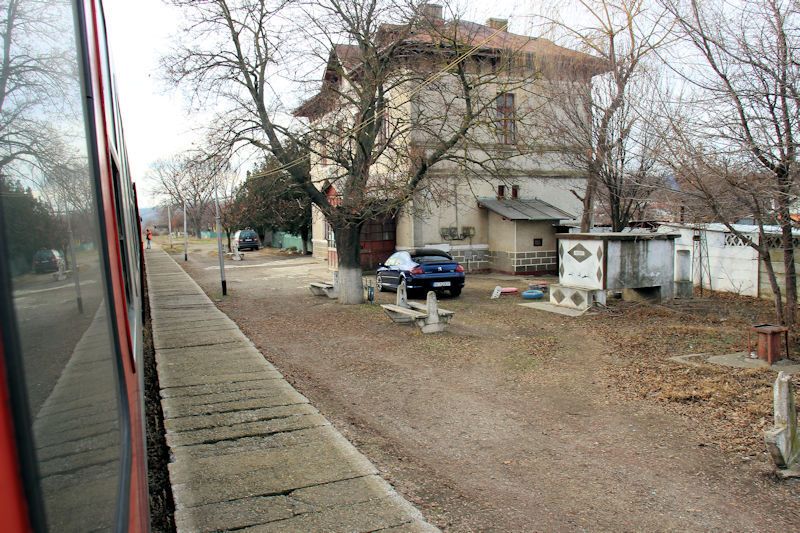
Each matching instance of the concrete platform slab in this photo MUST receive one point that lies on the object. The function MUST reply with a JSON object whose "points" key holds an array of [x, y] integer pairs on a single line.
{"points": [[737, 360], [213, 388], [187, 423]]}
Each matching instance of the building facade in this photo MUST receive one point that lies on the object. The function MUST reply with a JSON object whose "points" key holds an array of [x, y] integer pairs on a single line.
{"points": [[500, 214]]}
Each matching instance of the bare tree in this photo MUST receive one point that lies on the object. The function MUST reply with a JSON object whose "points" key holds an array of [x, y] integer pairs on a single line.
{"points": [[738, 126], [605, 120], [182, 181], [371, 148], [31, 80]]}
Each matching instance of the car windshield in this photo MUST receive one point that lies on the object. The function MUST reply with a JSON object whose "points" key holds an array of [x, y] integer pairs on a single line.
{"points": [[43, 254], [248, 234], [429, 258]]}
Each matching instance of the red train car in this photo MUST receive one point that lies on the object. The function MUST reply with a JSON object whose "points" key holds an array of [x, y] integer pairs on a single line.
{"points": [[72, 444]]}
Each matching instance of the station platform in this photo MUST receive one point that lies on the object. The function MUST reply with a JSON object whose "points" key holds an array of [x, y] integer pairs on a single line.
{"points": [[249, 452]]}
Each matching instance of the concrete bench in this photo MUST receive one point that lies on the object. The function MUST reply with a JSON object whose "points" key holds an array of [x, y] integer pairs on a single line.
{"points": [[402, 314], [443, 313], [429, 318], [322, 288], [61, 275]]}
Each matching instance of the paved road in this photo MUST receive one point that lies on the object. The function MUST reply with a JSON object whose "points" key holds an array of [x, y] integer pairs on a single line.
{"points": [[249, 451], [51, 326]]}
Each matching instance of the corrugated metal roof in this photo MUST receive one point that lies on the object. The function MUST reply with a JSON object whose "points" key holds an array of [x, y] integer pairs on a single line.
{"points": [[533, 209]]}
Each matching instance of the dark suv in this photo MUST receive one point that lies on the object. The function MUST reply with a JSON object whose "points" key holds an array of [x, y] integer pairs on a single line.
{"points": [[47, 261], [246, 239]]}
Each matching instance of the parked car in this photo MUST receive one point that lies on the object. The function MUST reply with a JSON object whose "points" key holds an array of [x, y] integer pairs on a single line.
{"points": [[48, 261], [246, 239], [424, 269]]}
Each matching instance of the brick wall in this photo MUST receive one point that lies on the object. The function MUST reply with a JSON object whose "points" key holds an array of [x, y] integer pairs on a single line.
{"points": [[523, 262], [472, 260]]}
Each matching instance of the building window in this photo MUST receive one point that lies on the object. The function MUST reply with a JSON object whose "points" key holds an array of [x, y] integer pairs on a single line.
{"points": [[501, 192], [506, 127], [515, 192], [537, 242]]}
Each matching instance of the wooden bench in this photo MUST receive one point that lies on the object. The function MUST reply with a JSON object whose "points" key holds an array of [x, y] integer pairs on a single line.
{"points": [[322, 288]]}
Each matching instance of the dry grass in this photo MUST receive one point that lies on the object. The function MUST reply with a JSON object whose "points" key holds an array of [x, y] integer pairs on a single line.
{"points": [[731, 406]]}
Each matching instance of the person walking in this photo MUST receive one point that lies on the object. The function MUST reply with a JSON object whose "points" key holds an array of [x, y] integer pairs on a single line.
{"points": [[149, 234]]}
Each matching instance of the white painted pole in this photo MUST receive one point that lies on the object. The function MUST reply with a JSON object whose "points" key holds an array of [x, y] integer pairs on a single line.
{"points": [[76, 276], [185, 235], [219, 241], [169, 226]]}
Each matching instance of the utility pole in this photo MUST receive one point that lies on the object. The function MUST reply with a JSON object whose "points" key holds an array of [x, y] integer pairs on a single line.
{"points": [[74, 263], [219, 240], [185, 235], [169, 225]]}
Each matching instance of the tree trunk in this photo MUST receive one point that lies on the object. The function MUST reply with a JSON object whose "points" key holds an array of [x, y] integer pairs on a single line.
{"points": [[304, 238], [790, 277], [587, 218], [228, 234], [348, 252], [773, 283]]}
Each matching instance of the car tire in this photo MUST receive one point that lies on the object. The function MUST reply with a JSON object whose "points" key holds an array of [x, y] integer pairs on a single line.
{"points": [[379, 283], [455, 293]]}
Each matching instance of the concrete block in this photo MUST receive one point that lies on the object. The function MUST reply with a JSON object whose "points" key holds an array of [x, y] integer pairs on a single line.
{"points": [[576, 297], [783, 440]]}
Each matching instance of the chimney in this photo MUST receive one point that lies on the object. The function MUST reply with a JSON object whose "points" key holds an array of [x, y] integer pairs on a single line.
{"points": [[432, 12], [497, 24]]}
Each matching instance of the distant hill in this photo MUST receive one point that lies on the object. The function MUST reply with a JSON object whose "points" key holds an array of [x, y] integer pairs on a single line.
{"points": [[149, 215]]}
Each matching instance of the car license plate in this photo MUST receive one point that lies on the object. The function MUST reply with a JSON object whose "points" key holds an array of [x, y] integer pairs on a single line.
{"points": [[441, 283]]}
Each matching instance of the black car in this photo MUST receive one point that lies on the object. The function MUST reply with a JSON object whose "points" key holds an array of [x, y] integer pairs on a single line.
{"points": [[47, 261], [246, 239], [425, 269]]}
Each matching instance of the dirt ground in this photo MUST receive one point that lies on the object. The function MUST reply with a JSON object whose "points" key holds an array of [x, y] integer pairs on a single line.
{"points": [[521, 420]]}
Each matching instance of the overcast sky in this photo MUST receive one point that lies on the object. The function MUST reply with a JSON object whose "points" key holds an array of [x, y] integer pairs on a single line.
{"points": [[156, 122], [154, 116]]}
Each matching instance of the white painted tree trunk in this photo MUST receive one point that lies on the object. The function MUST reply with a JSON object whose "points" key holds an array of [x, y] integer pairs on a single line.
{"points": [[351, 290], [348, 251]]}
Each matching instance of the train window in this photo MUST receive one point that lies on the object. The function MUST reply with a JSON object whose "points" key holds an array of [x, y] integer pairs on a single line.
{"points": [[121, 227], [54, 294]]}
